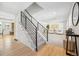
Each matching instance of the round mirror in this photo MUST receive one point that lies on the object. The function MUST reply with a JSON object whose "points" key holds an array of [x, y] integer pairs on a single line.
{"points": [[75, 14]]}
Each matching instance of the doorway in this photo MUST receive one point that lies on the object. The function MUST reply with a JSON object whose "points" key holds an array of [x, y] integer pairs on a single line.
{"points": [[6, 35]]}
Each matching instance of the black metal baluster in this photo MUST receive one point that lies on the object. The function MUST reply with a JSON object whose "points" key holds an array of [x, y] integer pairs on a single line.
{"points": [[21, 16], [25, 22], [36, 39]]}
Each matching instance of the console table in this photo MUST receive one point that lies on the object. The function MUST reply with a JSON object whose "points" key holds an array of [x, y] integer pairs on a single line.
{"points": [[75, 36]]}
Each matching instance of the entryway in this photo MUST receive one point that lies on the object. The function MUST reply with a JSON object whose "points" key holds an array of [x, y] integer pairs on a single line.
{"points": [[6, 35]]}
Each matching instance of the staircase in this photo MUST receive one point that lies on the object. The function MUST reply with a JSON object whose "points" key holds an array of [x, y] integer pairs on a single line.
{"points": [[37, 32]]}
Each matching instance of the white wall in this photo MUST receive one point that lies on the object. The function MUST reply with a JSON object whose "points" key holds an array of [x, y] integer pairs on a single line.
{"points": [[56, 39], [22, 35], [75, 28]]}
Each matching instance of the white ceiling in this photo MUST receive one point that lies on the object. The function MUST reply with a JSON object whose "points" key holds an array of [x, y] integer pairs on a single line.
{"points": [[34, 8], [52, 11], [13, 7]]}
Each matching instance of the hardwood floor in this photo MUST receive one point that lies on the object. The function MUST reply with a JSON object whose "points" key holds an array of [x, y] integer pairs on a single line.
{"points": [[10, 47], [50, 50]]}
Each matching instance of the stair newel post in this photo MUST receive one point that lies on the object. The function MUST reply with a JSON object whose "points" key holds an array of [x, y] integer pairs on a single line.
{"points": [[36, 41], [47, 34], [47, 31], [37, 28]]}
